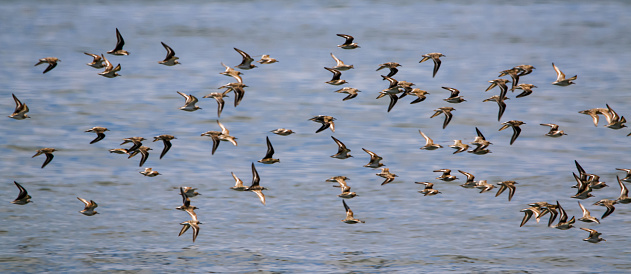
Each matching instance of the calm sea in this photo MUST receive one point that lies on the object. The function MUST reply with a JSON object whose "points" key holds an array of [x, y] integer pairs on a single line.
{"points": [[299, 230]]}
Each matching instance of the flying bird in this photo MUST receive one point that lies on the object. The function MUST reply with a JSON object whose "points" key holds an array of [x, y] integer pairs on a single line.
{"points": [[110, 71], [350, 219], [48, 152], [510, 185], [268, 159], [88, 210], [326, 121], [51, 61], [348, 44], [23, 197], [120, 42], [444, 110], [189, 103], [100, 133], [170, 59], [342, 151], [435, 56], [166, 140], [97, 61], [255, 187], [514, 124], [561, 81], [20, 109], [246, 62]]}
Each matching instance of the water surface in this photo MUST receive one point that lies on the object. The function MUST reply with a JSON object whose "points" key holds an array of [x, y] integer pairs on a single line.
{"points": [[299, 229]]}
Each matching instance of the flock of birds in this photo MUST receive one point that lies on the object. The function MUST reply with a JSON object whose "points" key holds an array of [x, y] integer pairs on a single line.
{"points": [[586, 182]]}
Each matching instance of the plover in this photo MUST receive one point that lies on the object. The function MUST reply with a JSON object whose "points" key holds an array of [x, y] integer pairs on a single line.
{"points": [[283, 131], [339, 65], [374, 159], [627, 177], [88, 210], [594, 236], [238, 183], [342, 151], [223, 135], [265, 59], [170, 59], [238, 89], [20, 109], [514, 124], [48, 152], [255, 187], [51, 61], [218, 96], [120, 42], [335, 80], [446, 176], [348, 44], [386, 174], [510, 185], [528, 212], [144, 154], [527, 89], [326, 121], [470, 183], [110, 71], [268, 159], [232, 73], [429, 189], [609, 205], [390, 65], [350, 219], [119, 151], [448, 115], [429, 143], [435, 56], [524, 69], [614, 121], [554, 130], [624, 193], [563, 223], [352, 92], [587, 217], [459, 146], [166, 140], [100, 133], [561, 81], [454, 97], [246, 62], [23, 197], [500, 103], [420, 94], [190, 191], [137, 142], [149, 172], [193, 223], [190, 101], [97, 61], [484, 186]]}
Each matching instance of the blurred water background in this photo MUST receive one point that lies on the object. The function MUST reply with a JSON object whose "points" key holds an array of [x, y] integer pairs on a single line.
{"points": [[299, 230]]}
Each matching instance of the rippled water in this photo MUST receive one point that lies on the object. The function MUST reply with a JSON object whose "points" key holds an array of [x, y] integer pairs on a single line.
{"points": [[299, 229]]}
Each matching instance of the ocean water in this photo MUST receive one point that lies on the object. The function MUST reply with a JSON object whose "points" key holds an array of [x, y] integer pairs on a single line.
{"points": [[299, 230]]}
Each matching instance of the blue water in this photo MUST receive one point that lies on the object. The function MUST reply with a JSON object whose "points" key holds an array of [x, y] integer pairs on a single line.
{"points": [[299, 230]]}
